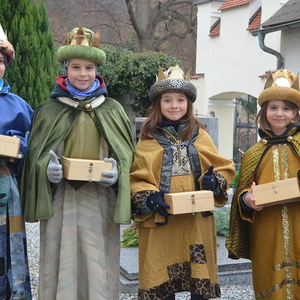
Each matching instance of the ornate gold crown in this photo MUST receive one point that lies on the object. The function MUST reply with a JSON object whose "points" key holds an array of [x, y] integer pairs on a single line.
{"points": [[172, 72], [82, 43], [79, 37], [282, 85], [173, 80], [284, 78]]}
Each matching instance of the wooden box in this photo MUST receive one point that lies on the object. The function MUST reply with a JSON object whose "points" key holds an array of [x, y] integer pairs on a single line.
{"points": [[84, 169], [189, 202], [9, 146], [279, 192]]}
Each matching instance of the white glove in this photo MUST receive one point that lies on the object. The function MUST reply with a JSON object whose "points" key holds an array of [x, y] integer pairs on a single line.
{"points": [[54, 168], [112, 176]]}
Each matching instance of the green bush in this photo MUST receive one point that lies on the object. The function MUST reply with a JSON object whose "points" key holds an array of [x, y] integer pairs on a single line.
{"points": [[126, 72], [32, 74], [130, 237], [222, 217], [236, 179]]}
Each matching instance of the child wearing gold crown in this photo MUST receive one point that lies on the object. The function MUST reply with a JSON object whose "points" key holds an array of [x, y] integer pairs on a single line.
{"points": [[79, 220], [175, 154], [15, 119], [269, 236]]}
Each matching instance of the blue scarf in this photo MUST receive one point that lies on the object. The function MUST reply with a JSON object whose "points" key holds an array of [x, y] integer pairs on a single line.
{"points": [[82, 95], [4, 89]]}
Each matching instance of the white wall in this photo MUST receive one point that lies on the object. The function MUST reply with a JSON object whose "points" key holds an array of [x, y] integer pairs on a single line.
{"points": [[232, 63], [290, 45]]}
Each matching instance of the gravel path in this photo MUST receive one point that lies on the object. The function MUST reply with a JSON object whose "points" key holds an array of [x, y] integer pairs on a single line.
{"points": [[229, 292]]}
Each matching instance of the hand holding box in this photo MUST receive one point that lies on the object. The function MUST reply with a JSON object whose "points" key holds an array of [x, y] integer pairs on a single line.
{"points": [[278, 192], [189, 202], [84, 169]]}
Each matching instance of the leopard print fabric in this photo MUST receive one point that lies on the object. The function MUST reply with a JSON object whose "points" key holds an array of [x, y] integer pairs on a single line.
{"points": [[197, 254], [137, 199], [180, 280], [222, 183]]}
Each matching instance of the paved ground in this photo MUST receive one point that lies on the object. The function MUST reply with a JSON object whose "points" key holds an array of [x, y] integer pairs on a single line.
{"points": [[236, 284]]}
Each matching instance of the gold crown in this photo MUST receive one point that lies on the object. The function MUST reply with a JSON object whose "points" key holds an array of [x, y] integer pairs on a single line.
{"points": [[282, 85], [283, 78], [80, 37], [172, 73], [82, 43], [172, 80]]}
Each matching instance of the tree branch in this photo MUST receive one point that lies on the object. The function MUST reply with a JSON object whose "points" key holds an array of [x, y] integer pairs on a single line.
{"points": [[139, 32]]}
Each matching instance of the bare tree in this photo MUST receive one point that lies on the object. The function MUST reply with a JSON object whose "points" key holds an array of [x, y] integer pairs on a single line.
{"points": [[166, 25], [160, 22]]}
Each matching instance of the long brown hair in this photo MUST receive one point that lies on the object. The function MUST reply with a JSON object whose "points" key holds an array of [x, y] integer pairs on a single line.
{"points": [[261, 118], [155, 117]]}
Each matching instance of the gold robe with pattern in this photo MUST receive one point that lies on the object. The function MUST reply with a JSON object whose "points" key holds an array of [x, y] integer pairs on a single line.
{"points": [[181, 255], [269, 238]]}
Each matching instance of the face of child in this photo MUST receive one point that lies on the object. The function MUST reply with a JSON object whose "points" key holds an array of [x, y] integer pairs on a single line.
{"points": [[82, 74], [279, 115], [173, 105], [2, 66]]}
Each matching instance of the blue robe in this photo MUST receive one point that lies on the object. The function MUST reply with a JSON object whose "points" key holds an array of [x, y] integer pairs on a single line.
{"points": [[15, 119]]}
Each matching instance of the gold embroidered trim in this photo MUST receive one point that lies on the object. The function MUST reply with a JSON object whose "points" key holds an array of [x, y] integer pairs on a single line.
{"points": [[277, 287], [287, 264], [287, 251], [286, 228], [98, 101], [95, 103], [68, 101], [285, 161], [284, 264], [276, 166]]}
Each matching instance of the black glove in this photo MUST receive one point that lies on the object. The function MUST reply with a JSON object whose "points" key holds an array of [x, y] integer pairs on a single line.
{"points": [[157, 204], [209, 181]]}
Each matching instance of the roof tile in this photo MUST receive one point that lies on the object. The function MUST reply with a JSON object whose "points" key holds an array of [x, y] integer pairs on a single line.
{"points": [[233, 3], [215, 28], [289, 12], [255, 21]]}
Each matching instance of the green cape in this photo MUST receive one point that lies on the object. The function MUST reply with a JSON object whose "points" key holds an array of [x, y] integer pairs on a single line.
{"points": [[51, 123]]}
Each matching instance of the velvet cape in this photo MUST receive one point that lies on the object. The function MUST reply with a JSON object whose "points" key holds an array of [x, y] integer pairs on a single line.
{"points": [[52, 122]]}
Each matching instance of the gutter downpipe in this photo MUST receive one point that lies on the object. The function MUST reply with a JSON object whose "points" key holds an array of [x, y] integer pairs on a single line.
{"points": [[261, 40]]}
